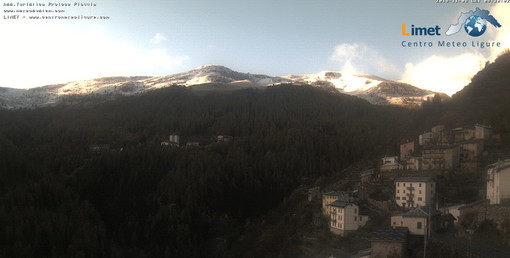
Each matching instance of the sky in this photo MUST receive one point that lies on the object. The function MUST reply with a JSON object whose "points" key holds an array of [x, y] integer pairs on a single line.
{"points": [[276, 37]]}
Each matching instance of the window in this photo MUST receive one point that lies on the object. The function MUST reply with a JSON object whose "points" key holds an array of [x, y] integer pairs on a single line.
{"points": [[419, 185], [404, 184], [418, 225], [419, 192], [355, 211], [398, 191], [403, 198], [398, 197], [398, 184], [355, 218], [420, 199], [394, 223]]}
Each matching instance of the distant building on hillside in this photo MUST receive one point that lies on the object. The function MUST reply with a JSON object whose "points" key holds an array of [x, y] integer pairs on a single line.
{"points": [[390, 164], [471, 149], [498, 182], [440, 157], [414, 191], [414, 163], [482, 132], [425, 138], [329, 197], [368, 176], [174, 140], [345, 217], [406, 150], [224, 138], [463, 134]]}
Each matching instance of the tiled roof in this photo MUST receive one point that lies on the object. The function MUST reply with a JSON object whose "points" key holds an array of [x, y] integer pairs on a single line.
{"points": [[414, 179], [336, 193], [340, 204], [422, 212], [397, 234]]}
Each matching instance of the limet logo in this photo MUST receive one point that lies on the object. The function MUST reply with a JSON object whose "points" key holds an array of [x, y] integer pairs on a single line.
{"points": [[473, 22], [421, 31]]}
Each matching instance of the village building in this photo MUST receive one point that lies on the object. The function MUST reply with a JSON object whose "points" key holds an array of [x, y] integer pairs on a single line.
{"points": [[420, 221], [439, 135], [389, 242], [482, 132], [463, 134], [498, 182], [390, 164], [345, 217], [414, 163], [414, 191], [224, 138], [406, 150], [425, 138], [368, 176], [173, 140], [330, 197], [440, 157]]}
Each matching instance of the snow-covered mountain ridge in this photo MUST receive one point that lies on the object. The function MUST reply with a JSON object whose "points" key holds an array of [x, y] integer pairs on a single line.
{"points": [[372, 88]]}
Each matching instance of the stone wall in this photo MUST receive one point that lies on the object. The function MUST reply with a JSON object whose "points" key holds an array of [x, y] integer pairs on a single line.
{"points": [[497, 213]]}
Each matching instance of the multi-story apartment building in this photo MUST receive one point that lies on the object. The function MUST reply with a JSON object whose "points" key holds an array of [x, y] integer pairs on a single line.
{"points": [[414, 191]]}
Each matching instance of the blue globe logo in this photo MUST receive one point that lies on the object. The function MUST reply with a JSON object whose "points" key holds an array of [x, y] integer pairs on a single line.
{"points": [[475, 26]]}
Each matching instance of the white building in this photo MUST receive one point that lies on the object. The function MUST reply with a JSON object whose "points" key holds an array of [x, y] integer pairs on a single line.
{"points": [[390, 163], [345, 217], [419, 221], [330, 197], [414, 191], [498, 182], [174, 140]]}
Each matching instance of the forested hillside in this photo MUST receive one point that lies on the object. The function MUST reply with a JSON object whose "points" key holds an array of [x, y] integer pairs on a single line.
{"points": [[142, 199]]}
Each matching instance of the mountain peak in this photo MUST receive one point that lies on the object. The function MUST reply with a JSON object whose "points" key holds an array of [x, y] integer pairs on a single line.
{"points": [[372, 88], [213, 67]]}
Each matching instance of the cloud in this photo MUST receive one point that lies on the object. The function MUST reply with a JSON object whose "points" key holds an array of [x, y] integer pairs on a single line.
{"points": [[500, 12], [40, 54], [451, 74], [158, 38], [444, 74], [359, 58]]}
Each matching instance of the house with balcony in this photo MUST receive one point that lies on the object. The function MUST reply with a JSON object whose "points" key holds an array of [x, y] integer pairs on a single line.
{"points": [[412, 192], [329, 197], [345, 217]]}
